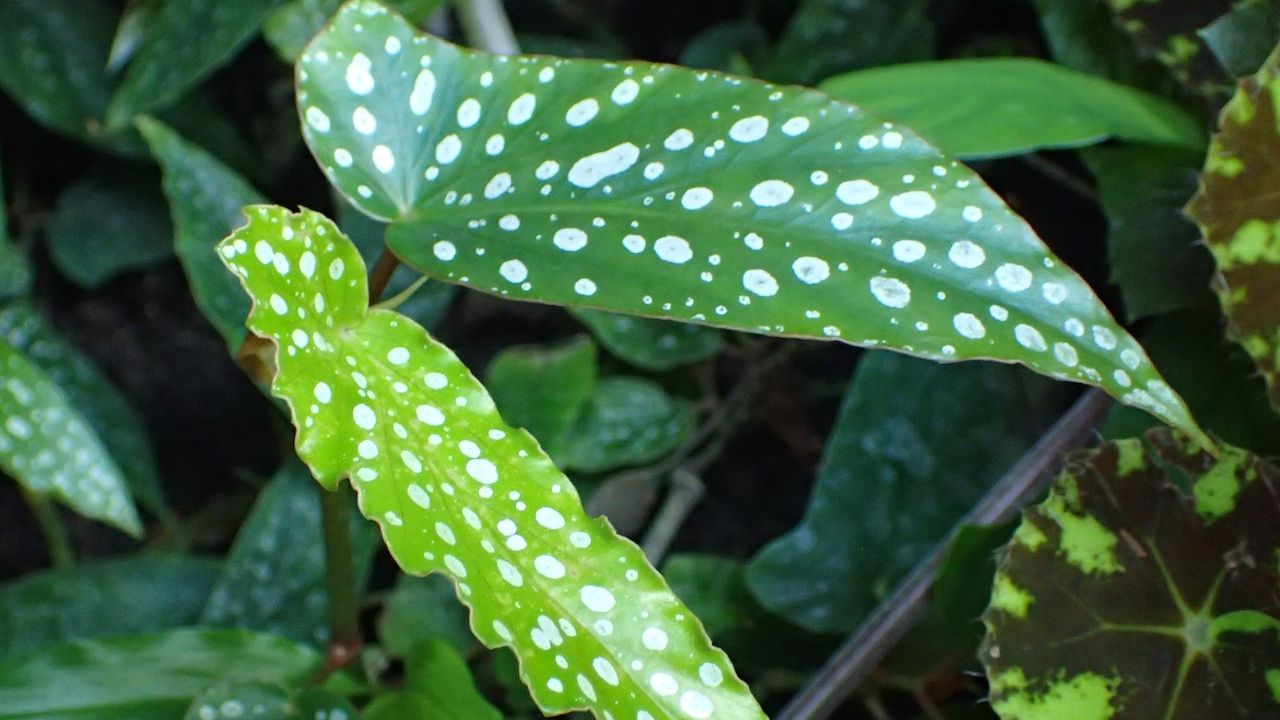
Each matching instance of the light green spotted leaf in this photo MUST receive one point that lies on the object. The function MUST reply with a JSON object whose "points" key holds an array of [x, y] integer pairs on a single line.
{"points": [[48, 446], [205, 198], [458, 491], [693, 196], [1144, 587], [232, 700]]}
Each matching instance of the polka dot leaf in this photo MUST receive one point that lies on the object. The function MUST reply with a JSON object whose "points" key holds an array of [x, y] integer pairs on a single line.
{"points": [[1237, 211], [52, 450], [659, 191], [457, 491], [1144, 586]]}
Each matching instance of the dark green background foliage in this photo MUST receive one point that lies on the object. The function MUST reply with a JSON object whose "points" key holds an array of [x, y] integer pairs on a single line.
{"points": [[787, 489]]}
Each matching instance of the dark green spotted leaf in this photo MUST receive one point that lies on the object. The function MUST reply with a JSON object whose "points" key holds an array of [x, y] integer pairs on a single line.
{"points": [[53, 56], [992, 107], [15, 268], [291, 25], [1144, 587], [47, 445], [1168, 31], [851, 35], [654, 190], [236, 700], [1240, 218], [543, 389], [915, 446], [103, 597], [142, 677], [108, 223], [438, 685], [184, 42], [117, 424], [1242, 39], [649, 343], [423, 608], [205, 199], [274, 575], [458, 491], [626, 421], [1152, 247], [320, 704]]}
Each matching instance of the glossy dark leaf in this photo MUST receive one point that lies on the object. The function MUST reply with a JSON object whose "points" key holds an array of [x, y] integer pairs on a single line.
{"points": [[104, 597], [1238, 214], [993, 107], [962, 588], [438, 685], [544, 389], [650, 343], [274, 576], [1144, 587], [765, 209], [185, 40], [1167, 30], [109, 223], [142, 677], [116, 423], [15, 268], [421, 609], [727, 47], [1242, 39], [291, 25], [205, 201], [914, 447], [850, 35], [626, 421], [1082, 35]]}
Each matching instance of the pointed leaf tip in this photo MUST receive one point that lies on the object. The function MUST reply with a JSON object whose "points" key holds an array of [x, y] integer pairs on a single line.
{"points": [[457, 491]]}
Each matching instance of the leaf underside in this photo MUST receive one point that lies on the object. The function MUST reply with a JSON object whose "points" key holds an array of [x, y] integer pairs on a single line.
{"points": [[1238, 214], [1123, 596], [455, 490], [655, 190]]}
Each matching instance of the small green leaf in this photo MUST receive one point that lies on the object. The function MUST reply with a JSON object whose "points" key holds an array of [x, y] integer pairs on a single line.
{"points": [[544, 389], [962, 588], [458, 491], [108, 223], [53, 56], [103, 597], [142, 677], [915, 446], [654, 190], [438, 685], [185, 41], [1240, 219], [205, 199], [1242, 39], [850, 35], [993, 107], [117, 424], [274, 576], [233, 700], [48, 446], [626, 421], [1123, 597], [1152, 247], [289, 27], [423, 608], [649, 343]]}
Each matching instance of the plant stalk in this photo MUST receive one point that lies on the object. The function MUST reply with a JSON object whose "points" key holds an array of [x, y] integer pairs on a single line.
{"points": [[863, 651], [340, 579], [487, 27], [56, 537]]}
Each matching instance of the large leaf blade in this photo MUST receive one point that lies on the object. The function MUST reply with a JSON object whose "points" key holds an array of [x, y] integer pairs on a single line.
{"points": [[657, 191], [458, 491]]}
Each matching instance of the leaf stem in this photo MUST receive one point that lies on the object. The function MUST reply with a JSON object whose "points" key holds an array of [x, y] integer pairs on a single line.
{"points": [[340, 580], [381, 274], [686, 491], [845, 671], [54, 530], [486, 26]]}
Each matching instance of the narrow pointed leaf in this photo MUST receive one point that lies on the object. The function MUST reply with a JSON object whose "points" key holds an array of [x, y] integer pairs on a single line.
{"points": [[991, 107], [1237, 211], [205, 198], [48, 446], [184, 42], [1144, 587], [456, 490], [273, 578], [653, 190], [142, 677], [117, 424], [650, 343]]}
